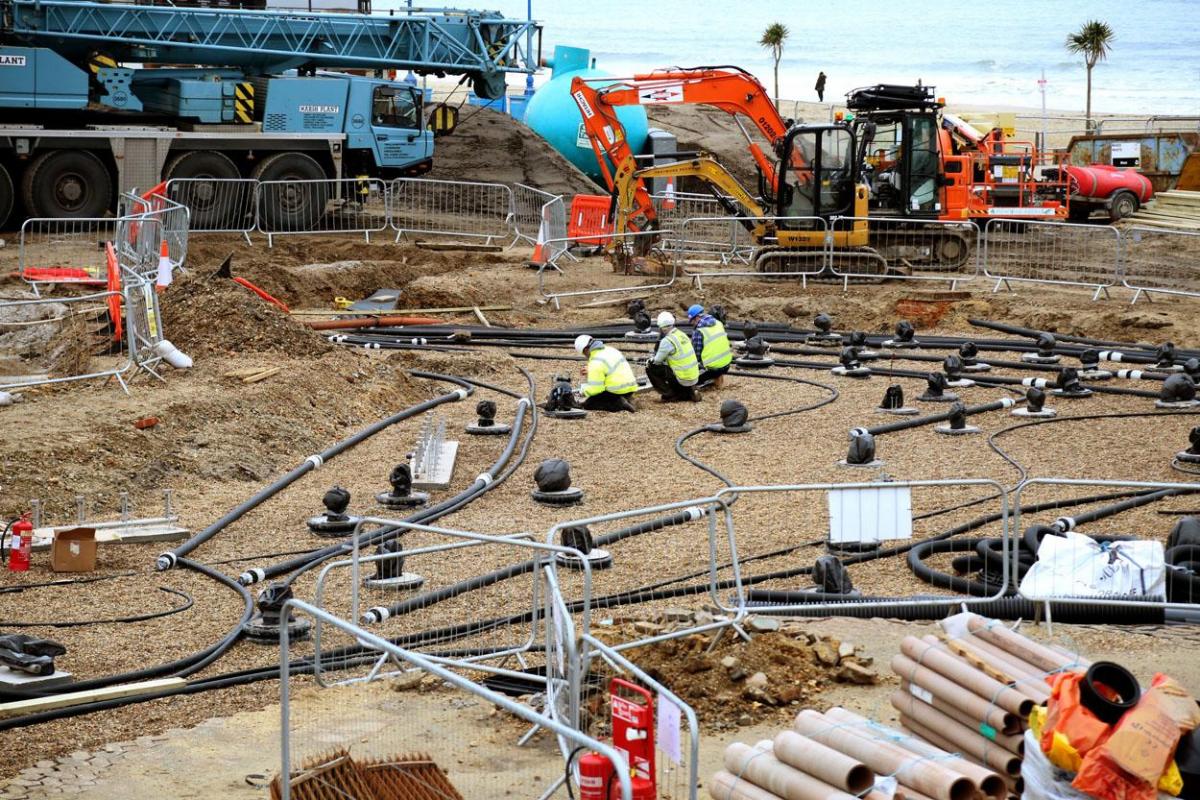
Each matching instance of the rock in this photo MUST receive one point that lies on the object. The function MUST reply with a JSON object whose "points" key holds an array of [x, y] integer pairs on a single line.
{"points": [[697, 664], [758, 680], [790, 694], [745, 719], [729, 662], [764, 624], [855, 673], [648, 628], [826, 654], [407, 681], [677, 615], [736, 674], [845, 649]]}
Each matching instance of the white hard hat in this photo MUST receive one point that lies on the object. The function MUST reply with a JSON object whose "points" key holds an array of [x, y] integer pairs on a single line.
{"points": [[581, 342], [665, 319]]}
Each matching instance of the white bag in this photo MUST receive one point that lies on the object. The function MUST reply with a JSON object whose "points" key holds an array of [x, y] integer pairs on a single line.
{"points": [[1078, 566], [1043, 780]]}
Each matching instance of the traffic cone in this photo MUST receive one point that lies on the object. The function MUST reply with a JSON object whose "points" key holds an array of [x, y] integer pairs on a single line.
{"points": [[539, 247], [165, 268], [669, 194]]}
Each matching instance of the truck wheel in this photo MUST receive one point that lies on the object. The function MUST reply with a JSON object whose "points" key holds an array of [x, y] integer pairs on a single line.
{"points": [[67, 183], [7, 196], [1124, 204], [211, 204], [297, 202]]}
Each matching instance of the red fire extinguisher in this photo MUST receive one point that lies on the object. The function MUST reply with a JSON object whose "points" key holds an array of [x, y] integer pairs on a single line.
{"points": [[19, 546], [595, 774], [633, 737]]}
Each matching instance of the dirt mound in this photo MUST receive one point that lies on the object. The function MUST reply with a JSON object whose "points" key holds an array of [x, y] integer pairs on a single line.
{"points": [[493, 147], [741, 683], [202, 313], [711, 131]]}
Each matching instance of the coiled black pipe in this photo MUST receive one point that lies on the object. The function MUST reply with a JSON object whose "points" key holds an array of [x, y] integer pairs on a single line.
{"points": [[168, 560]]}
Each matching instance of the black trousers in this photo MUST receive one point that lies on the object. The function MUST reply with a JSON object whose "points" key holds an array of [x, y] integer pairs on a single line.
{"points": [[663, 379], [710, 375], [607, 401]]}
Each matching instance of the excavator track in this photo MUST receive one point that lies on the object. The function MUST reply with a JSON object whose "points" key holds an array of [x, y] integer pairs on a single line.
{"points": [[777, 259], [931, 249]]}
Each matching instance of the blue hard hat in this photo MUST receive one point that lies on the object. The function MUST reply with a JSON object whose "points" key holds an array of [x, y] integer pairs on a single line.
{"points": [[695, 311]]}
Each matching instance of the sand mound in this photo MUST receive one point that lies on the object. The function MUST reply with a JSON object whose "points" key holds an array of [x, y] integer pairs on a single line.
{"points": [[493, 147], [202, 313]]}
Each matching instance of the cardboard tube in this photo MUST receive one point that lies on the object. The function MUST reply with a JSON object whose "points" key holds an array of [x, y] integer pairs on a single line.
{"points": [[950, 692], [996, 669], [990, 783], [1013, 743], [1026, 677], [1020, 646], [938, 741], [764, 770], [824, 763], [725, 786], [965, 740], [967, 676], [924, 776]]}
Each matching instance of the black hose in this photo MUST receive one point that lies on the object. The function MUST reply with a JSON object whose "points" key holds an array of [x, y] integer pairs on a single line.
{"points": [[187, 603]]}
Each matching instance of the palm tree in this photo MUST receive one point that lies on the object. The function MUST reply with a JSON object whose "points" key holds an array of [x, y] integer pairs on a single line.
{"points": [[1092, 41], [772, 39]]}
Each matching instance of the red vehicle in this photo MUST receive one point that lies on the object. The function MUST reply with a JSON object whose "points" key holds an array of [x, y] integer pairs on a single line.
{"points": [[1118, 192]]}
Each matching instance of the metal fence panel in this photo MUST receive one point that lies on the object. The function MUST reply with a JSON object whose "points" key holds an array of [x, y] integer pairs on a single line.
{"points": [[64, 250], [389, 724], [784, 263], [328, 206], [1162, 261], [217, 205], [1051, 252], [528, 205], [713, 232], [623, 246], [458, 209], [916, 250]]}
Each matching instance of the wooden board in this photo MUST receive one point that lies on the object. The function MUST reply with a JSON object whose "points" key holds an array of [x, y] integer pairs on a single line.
{"points": [[42, 537], [470, 248], [21, 707]]}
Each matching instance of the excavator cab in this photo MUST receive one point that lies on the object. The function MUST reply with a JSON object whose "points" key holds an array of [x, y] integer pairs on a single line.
{"points": [[903, 164], [817, 174]]}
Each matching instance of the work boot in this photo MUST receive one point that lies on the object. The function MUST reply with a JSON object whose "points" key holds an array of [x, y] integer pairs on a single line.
{"points": [[627, 404], [695, 396], [718, 382]]}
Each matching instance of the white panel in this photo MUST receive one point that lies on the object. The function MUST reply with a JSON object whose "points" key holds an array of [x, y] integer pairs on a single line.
{"points": [[870, 515]]}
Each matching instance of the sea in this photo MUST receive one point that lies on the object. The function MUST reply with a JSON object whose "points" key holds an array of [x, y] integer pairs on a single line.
{"points": [[989, 53]]}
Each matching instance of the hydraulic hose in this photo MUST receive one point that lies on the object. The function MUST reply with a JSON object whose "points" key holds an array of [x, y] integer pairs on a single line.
{"points": [[168, 560]]}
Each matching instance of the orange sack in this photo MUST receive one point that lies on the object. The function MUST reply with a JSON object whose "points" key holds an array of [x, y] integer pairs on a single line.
{"points": [[1067, 715]]}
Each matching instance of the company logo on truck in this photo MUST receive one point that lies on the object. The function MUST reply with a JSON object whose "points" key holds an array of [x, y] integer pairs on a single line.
{"points": [[12, 61], [319, 109]]}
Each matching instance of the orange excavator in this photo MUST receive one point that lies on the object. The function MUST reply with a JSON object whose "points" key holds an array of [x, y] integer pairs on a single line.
{"points": [[809, 177]]}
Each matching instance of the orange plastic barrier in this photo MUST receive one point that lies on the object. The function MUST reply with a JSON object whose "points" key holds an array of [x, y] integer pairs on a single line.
{"points": [[589, 222], [114, 285], [61, 275]]}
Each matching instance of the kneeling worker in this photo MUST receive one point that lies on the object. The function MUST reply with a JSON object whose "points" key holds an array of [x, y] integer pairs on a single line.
{"points": [[673, 369], [712, 343], [610, 383]]}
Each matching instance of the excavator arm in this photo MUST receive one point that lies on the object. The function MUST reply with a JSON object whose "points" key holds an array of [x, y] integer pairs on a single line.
{"points": [[729, 89], [706, 169]]}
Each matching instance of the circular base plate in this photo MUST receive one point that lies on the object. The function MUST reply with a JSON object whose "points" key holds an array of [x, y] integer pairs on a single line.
{"points": [[946, 429], [322, 525], [258, 631], [978, 366], [570, 413], [902, 411], [1043, 414], [961, 383], [635, 336], [1071, 395], [1034, 358], [948, 397], [897, 343], [565, 497], [487, 430], [718, 428], [407, 580], [876, 463], [1186, 462], [823, 340], [1176, 404], [389, 500], [750, 362], [597, 558], [856, 372]]}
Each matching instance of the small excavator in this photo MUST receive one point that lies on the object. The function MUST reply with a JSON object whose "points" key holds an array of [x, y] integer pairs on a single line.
{"points": [[897, 157]]}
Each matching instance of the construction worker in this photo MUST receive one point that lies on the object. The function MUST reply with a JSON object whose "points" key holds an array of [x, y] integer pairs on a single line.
{"points": [[712, 343], [673, 369], [610, 384]]}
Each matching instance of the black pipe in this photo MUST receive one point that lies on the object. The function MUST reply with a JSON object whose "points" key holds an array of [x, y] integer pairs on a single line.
{"points": [[916, 422], [167, 560]]}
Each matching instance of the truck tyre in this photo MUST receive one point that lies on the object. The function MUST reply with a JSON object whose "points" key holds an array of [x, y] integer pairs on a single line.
{"points": [[7, 196], [211, 205], [67, 184], [297, 203], [1124, 204]]}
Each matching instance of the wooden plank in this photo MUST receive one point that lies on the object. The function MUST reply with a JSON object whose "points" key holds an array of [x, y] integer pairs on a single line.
{"points": [[263, 375], [399, 311], [21, 707], [468, 247]]}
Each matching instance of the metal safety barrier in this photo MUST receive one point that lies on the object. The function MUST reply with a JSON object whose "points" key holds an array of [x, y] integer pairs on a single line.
{"points": [[625, 245], [217, 205], [720, 236], [789, 263], [64, 250], [1020, 251], [1157, 261], [912, 250], [310, 730], [147, 222], [326, 206], [457, 209], [528, 205]]}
